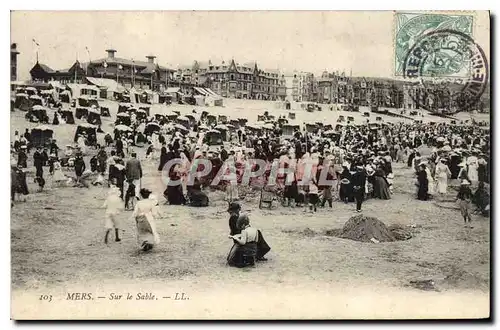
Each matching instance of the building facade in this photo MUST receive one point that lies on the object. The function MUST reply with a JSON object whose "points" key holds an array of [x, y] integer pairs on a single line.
{"points": [[301, 86], [234, 80], [13, 61], [129, 73]]}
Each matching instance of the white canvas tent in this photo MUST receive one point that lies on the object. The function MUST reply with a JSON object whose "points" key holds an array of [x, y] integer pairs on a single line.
{"points": [[135, 95], [78, 90], [107, 86]]}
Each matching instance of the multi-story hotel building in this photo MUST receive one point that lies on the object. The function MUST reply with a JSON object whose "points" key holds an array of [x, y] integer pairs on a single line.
{"points": [[234, 80], [127, 72]]}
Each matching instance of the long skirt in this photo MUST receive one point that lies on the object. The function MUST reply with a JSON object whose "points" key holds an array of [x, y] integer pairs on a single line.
{"points": [[345, 192], [442, 184], [145, 235], [381, 188], [242, 255], [262, 246]]}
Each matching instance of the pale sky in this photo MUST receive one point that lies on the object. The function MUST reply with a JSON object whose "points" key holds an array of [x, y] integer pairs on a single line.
{"points": [[307, 41]]}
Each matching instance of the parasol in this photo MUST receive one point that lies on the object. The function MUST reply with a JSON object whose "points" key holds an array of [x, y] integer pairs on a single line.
{"points": [[123, 128]]}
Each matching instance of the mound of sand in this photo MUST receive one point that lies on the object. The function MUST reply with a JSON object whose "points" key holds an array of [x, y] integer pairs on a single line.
{"points": [[364, 229]]}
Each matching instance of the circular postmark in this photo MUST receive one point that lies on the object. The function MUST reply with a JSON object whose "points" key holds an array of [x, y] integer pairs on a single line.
{"points": [[452, 69]]}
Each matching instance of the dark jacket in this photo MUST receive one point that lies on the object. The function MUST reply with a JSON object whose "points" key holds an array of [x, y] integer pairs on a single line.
{"points": [[358, 179], [79, 166], [133, 169], [37, 159]]}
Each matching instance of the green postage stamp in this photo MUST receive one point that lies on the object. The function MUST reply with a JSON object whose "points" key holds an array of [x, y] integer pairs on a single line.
{"points": [[411, 27]]}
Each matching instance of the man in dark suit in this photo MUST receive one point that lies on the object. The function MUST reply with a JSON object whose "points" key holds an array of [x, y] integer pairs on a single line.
{"points": [[358, 183], [133, 171], [38, 162]]}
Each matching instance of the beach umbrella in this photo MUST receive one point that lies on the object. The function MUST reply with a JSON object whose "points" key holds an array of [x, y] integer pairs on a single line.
{"points": [[123, 128], [179, 126], [153, 124], [43, 128], [268, 126]]}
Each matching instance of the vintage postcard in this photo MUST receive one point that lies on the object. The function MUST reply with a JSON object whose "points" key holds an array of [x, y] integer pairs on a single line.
{"points": [[250, 165]]}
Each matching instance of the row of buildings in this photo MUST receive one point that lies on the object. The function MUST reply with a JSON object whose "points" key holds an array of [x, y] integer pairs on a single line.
{"points": [[247, 81]]}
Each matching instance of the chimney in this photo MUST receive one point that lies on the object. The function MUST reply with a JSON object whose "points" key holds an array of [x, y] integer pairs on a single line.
{"points": [[151, 58], [111, 53]]}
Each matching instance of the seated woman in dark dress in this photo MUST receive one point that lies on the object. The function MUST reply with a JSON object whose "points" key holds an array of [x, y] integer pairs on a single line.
{"points": [[174, 193], [249, 246], [481, 199]]}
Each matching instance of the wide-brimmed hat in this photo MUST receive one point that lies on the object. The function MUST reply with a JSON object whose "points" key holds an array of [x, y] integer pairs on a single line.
{"points": [[465, 182]]}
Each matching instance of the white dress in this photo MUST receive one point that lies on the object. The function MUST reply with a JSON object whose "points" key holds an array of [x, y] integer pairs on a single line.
{"points": [[431, 184], [81, 145], [144, 212], [472, 162], [442, 174], [58, 175]]}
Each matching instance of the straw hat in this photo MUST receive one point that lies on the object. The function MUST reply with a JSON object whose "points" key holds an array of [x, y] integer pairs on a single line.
{"points": [[465, 182]]}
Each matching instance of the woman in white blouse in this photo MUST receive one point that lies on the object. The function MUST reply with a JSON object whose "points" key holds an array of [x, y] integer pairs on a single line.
{"points": [[145, 212], [244, 251]]}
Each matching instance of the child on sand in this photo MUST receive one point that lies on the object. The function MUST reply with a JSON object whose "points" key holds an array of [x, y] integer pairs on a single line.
{"points": [[464, 199], [113, 205]]}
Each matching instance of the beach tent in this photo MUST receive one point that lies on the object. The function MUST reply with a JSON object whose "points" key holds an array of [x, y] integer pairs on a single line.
{"points": [[78, 90], [41, 136], [109, 88]]}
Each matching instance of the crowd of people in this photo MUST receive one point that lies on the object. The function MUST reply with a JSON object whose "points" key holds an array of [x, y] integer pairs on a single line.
{"points": [[351, 164]]}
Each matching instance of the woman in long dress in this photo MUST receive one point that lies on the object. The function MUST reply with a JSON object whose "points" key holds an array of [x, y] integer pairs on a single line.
{"points": [[423, 183], [442, 175], [144, 214], [380, 184], [57, 176], [473, 165], [81, 144]]}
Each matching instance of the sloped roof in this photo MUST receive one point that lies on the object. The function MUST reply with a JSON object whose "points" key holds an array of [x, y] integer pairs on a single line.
{"points": [[45, 68], [109, 84], [124, 61]]}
